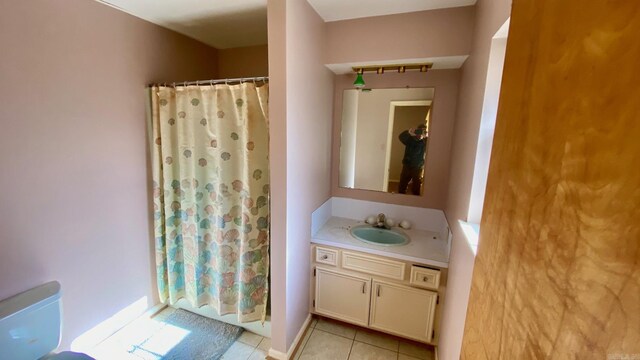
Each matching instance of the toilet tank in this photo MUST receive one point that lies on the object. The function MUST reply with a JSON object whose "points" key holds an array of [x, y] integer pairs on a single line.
{"points": [[30, 323]]}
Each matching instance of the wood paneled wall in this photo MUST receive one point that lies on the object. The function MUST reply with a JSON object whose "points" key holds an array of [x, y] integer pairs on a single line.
{"points": [[557, 275]]}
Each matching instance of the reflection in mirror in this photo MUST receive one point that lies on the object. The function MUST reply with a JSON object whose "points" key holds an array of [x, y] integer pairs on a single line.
{"points": [[384, 139]]}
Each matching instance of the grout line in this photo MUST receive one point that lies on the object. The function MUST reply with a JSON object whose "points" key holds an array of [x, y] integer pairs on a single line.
{"points": [[342, 336], [351, 348], [304, 346], [379, 347]]}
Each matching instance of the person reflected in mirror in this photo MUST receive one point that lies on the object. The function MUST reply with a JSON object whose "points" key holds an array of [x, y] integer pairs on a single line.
{"points": [[415, 142]]}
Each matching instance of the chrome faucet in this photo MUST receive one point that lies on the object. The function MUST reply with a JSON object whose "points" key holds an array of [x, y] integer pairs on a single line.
{"points": [[381, 222]]}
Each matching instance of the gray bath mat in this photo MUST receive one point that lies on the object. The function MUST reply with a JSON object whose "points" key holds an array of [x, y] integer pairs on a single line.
{"points": [[191, 337]]}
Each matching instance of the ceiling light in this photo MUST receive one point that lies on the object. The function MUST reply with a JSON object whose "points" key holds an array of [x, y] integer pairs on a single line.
{"points": [[359, 83]]}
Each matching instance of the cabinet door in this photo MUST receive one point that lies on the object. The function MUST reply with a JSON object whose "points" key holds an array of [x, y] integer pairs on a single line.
{"points": [[344, 297], [403, 310]]}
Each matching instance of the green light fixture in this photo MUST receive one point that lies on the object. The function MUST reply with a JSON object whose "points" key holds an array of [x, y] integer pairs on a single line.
{"points": [[359, 83], [380, 69]]}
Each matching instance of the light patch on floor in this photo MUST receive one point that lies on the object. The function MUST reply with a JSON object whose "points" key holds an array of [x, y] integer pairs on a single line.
{"points": [[151, 338]]}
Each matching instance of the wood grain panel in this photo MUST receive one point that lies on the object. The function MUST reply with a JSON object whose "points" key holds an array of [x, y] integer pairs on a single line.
{"points": [[557, 275]]}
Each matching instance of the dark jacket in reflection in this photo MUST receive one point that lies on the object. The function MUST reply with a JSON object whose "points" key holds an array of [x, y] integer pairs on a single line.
{"points": [[414, 150]]}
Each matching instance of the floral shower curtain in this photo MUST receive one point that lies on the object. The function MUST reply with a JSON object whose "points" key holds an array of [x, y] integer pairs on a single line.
{"points": [[211, 196]]}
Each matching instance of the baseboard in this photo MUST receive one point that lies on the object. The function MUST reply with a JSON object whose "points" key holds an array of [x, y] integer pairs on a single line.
{"points": [[435, 352], [279, 355], [276, 355]]}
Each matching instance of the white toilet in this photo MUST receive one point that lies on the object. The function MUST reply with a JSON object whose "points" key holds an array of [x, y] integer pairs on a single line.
{"points": [[30, 325]]}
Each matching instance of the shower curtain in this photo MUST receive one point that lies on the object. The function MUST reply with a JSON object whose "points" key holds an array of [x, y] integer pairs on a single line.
{"points": [[211, 196]]}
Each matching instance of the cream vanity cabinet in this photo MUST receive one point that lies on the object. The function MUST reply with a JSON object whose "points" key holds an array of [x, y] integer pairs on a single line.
{"points": [[343, 296], [376, 292], [403, 310]]}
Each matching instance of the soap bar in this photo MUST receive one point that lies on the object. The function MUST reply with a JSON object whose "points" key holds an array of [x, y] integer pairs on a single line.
{"points": [[405, 224]]}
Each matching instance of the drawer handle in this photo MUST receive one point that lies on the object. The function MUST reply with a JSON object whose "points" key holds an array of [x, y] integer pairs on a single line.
{"points": [[324, 257], [364, 288], [425, 279], [378, 290]]}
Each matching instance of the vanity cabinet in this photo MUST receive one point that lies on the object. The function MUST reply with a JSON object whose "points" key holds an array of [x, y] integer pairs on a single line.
{"points": [[403, 310], [343, 296], [375, 292]]}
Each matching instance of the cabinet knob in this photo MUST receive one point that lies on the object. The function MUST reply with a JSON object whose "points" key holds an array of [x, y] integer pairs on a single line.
{"points": [[425, 279], [325, 257]]}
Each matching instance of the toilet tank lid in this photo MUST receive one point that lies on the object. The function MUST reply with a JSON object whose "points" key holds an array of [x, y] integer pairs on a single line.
{"points": [[37, 297]]}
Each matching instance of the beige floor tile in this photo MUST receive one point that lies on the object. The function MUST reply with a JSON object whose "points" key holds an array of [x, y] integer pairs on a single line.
{"points": [[362, 351], [415, 349], [250, 338], [323, 346], [303, 342], [336, 328], [258, 354], [265, 344], [378, 339], [238, 351], [406, 357]]}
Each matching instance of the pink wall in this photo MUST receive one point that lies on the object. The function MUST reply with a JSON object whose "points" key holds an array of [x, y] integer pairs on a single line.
{"points": [[433, 33], [243, 61], [74, 205], [490, 15], [276, 15], [300, 113], [445, 83]]}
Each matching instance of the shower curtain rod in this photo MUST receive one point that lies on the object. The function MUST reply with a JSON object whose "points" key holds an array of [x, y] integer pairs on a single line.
{"points": [[215, 81]]}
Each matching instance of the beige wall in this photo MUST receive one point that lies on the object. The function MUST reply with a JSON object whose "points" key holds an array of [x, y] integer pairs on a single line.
{"points": [[74, 205], [490, 15], [445, 83], [300, 116], [433, 33], [243, 62]]}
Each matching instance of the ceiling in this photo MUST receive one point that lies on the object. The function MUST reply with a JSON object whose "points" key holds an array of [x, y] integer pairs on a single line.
{"points": [[219, 23], [235, 23], [332, 10]]}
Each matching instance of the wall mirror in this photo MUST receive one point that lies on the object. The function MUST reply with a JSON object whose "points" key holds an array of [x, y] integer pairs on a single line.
{"points": [[385, 139]]}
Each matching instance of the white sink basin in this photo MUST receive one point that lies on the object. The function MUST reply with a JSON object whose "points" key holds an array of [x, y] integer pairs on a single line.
{"points": [[376, 236]]}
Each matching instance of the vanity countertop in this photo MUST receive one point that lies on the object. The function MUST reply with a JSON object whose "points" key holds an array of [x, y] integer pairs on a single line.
{"points": [[425, 247]]}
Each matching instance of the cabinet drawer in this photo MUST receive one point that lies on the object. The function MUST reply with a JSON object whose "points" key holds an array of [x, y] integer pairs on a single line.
{"points": [[425, 278], [326, 256], [373, 265]]}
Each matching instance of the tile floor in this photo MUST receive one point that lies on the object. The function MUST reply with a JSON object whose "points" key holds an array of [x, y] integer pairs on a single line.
{"points": [[332, 340], [125, 344], [249, 346], [325, 339]]}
